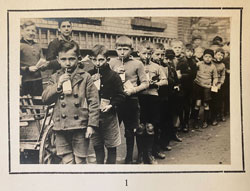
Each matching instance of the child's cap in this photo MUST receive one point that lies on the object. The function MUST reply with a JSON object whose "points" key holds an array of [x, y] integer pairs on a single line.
{"points": [[209, 51], [189, 47], [217, 39], [221, 50], [124, 41], [169, 53]]}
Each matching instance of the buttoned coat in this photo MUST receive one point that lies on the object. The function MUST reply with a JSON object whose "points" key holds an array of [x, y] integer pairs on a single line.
{"points": [[77, 110]]}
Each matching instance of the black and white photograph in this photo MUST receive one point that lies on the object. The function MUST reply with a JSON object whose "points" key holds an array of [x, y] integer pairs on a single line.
{"points": [[126, 97], [125, 90]]}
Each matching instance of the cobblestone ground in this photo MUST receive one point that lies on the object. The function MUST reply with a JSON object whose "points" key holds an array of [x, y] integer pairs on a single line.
{"points": [[202, 146]]}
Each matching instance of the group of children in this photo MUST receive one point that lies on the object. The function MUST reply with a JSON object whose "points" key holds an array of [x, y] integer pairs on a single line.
{"points": [[153, 96]]}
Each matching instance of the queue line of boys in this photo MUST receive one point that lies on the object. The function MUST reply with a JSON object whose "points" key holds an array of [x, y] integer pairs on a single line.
{"points": [[148, 95]]}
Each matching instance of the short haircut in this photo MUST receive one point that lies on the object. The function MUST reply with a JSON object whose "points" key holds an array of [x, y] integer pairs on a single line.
{"points": [[27, 23], [221, 50], [189, 47], [176, 42], [158, 46], [195, 37], [145, 44], [124, 41], [199, 48], [65, 20], [99, 49], [66, 46]]}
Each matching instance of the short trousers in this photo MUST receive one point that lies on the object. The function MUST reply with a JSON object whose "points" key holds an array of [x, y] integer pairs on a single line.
{"points": [[72, 141], [201, 93], [108, 132]]}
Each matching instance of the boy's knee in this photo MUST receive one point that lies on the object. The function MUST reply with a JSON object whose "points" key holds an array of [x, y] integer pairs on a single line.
{"points": [[68, 159], [198, 104], [206, 106], [150, 129]]}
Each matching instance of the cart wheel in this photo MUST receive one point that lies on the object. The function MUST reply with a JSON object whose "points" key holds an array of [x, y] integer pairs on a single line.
{"points": [[47, 152]]}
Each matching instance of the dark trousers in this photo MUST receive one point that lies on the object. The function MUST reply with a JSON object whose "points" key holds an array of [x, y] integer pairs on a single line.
{"points": [[128, 113], [217, 103], [150, 113], [186, 105]]}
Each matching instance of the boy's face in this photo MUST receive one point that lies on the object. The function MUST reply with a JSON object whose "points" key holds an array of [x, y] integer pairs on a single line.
{"points": [[145, 55], [189, 53], [197, 42], [167, 60], [29, 32], [219, 56], [177, 48], [158, 56], [68, 60], [198, 52], [123, 51], [66, 28], [207, 58], [99, 60]]}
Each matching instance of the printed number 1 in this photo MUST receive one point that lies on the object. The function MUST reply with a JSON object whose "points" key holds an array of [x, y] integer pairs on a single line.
{"points": [[126, 182]]}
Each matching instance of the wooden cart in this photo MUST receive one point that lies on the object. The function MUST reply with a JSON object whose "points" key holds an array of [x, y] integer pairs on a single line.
{"points": [[36, 132]]}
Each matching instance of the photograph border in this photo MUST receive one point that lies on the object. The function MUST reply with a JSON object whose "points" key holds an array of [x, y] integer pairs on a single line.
{"points": [[139, 8]]}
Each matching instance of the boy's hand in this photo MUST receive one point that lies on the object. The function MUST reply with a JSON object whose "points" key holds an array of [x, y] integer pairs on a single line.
{"points": [[33, 68], [42, 63], [95, 77], [106, 108], [63, 78], [89, 132], [129, 92]]}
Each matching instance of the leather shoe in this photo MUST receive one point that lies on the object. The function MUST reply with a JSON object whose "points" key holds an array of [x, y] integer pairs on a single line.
{"points": [[151, 160], [176, 138], [168, 148], [140, 158], [159, 155], [204, 125], [185, 129], [214, 123], [127, 161]]}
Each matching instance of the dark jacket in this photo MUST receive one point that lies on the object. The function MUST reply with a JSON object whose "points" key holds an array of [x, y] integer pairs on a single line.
{"points": [[77, 110], [111, 85], [30, 53]]}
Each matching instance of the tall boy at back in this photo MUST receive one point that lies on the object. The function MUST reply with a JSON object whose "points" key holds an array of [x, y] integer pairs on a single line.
{"points": [[133, 75], [76, 112]]}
